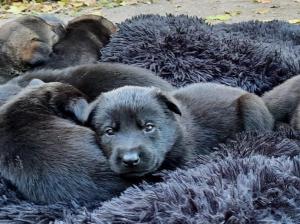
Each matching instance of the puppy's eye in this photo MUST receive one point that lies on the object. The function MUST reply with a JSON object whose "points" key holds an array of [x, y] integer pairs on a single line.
{"points": [[149, 127], [109, 131]]}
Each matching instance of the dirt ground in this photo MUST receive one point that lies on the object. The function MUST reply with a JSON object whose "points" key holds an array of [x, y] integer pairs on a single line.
{"points": [[238, 10], [249, 10]]}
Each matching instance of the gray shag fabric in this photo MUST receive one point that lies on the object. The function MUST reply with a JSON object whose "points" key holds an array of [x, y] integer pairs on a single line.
{"points": [[254, 178], [253, 55]]}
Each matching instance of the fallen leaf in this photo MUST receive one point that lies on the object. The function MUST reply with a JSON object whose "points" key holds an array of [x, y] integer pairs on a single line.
{"points": [[263, 1], [90, 2], [62, 3], [17, 8], [96, 13], [294, 21], [108, 4], [275, 6], [262, 11], [3, 16], [233, 13], [77, 4], [47, 8], [130, 2], [221, 17]]}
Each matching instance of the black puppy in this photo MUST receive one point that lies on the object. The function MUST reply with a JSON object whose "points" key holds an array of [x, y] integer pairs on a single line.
{"points": [[27, 124], [94, 79], [142, 129], [45, 154], [84, 37], [31, 42]]}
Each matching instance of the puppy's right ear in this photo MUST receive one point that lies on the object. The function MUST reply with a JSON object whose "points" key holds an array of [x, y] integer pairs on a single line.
{"points": [[168, 101]]}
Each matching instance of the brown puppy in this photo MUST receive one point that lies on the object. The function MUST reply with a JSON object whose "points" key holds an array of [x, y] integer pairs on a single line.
{"points": [[46, 155], [25, 42], [284, 102]]}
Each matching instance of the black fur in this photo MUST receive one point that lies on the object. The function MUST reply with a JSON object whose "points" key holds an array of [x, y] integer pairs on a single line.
{"points": [[142, 129], [269, 193], [85, 35], [46, 155], [95, 79]]}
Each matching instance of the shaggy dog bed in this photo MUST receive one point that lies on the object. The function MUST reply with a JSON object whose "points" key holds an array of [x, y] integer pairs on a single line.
{"points": [[253, 55], [254, 178]]}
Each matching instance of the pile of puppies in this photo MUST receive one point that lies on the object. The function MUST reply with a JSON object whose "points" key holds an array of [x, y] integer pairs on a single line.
{"points": [[87, 132], [31, 42]]}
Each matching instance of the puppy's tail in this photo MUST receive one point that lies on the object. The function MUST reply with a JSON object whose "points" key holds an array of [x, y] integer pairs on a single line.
{"points": [[254, 113]]}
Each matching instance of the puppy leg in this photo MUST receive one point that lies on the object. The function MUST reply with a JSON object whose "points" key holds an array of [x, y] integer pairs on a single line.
{"points": [[254, 113]]}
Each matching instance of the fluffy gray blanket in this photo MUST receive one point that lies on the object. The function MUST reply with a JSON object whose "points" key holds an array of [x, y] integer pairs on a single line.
{"points": [[253, 178], [252, 55]]}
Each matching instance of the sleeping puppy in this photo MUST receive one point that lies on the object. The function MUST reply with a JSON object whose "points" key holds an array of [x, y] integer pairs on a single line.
{"points": [[84, 37], [284, 102], [93, 79], [25, 42], [144, 129], [45, 154]]}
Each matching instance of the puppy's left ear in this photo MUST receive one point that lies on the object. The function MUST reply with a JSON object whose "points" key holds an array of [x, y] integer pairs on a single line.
{"points": [[82, 110], [168, 101], [36, 82], [78, 108]]}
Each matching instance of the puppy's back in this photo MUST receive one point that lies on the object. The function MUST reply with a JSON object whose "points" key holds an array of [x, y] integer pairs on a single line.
{"points": [[221, 111], [94, 79]]}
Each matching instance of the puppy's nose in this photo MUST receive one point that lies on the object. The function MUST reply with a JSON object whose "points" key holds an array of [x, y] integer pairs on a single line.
{"points": [[131, 159]]}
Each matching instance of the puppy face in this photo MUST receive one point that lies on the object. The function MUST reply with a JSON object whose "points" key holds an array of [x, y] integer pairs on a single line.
{"points": [[136, 127]]}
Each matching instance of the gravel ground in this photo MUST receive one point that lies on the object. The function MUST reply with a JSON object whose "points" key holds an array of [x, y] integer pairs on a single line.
{"points": [[277, 9], [249, 9]]}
